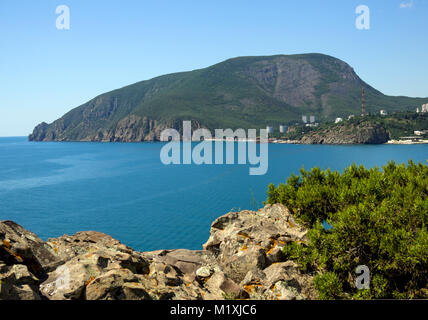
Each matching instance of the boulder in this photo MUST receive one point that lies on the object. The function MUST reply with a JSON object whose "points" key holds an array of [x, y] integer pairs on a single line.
{"points": [[242, 259], [17, 283], [252, 240], [117, 284], [20, 246], [221, 287], [86, 264], [204, 272], [68, 282], [286, 282]]}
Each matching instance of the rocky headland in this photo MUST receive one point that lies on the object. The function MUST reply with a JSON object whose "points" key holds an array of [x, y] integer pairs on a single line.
{"points": [[242, 92], [350, 133], [242, 259]]}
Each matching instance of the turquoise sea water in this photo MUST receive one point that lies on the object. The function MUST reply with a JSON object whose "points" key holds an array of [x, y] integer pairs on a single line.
{"points": [[124, 190]]}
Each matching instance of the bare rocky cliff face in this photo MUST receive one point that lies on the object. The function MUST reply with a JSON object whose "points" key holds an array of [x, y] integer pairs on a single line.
{"points": [[295, 81], [364, 133], [130, 129], [242, 259]]}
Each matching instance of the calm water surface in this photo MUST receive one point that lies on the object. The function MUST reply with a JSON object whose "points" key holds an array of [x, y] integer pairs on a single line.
{"points": [[124, 190]]}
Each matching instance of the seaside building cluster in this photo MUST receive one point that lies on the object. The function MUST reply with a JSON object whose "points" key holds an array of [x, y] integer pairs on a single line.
{"points": [[282, 129], [423, 109], [310, 121]]}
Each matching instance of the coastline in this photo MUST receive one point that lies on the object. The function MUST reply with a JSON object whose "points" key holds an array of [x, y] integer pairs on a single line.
{"points": [[233, 264], [406, 142], [270, 140], [397, 142]]}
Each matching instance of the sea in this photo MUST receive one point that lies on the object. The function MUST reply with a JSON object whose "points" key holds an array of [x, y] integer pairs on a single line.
{"points": [[126, 191]]}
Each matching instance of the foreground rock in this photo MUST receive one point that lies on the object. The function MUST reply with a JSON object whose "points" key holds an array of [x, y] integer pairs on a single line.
{"points": [[248, 248], [241, 260], [24, 261]]}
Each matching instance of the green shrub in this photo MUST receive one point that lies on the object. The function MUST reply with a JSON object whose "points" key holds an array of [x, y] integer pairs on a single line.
{"points": [[328, 286], [379, 218]]}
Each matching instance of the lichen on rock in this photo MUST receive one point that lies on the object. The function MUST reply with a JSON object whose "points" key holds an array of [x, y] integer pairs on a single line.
{"points": [[242, 259]]}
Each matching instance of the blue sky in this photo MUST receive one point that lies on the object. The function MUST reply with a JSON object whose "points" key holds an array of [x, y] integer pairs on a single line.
{"points": [[45, 72]]}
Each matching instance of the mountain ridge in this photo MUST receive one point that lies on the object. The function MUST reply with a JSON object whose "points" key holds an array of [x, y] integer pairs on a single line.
{"points": [[242, 92]]}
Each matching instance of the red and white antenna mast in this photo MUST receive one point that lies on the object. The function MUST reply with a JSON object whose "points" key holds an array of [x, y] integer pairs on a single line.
{"points": [[363, 109]]}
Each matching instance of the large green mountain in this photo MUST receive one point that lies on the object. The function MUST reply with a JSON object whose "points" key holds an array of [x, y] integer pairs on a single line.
{"points": [[244, 92]]}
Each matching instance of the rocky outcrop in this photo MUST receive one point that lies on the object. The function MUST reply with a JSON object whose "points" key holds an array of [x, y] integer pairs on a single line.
{"points": [[136, 129], [24, 262], [350, 133], [132, 128], [242, 259], [248, 248]]}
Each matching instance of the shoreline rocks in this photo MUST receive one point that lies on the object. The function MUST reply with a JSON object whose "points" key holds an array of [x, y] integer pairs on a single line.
{"points": [[242, 259], [132, 128], [362, 133]]}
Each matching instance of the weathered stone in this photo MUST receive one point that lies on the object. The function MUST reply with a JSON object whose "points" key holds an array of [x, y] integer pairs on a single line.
{"points": [[253, 277], [291, 278], [242, 259], [118, 284], [279, 271], [135, 291], [251, 240], [186, 261], [221, 287], [275, 254], [19, 246], [68, 282], [236, 267], [281, 290], [204, 272], [17, 283]]}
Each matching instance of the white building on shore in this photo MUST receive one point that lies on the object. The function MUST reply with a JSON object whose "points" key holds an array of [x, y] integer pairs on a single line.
{"points": [[338, 120], [283, 128], [420, 132], [304, 119]]}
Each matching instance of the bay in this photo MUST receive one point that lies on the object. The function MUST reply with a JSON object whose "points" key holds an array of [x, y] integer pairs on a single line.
{"points": [[124, 190]]}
